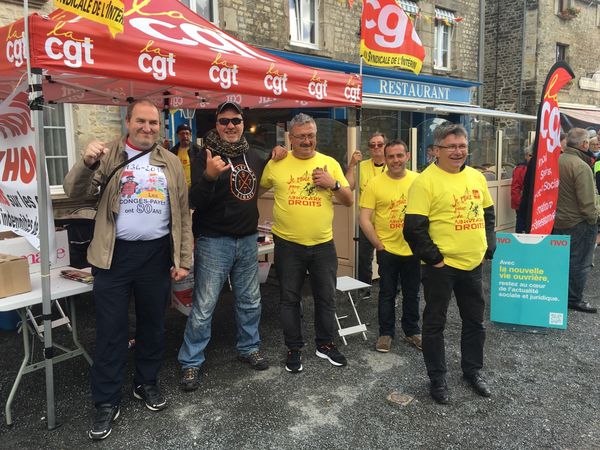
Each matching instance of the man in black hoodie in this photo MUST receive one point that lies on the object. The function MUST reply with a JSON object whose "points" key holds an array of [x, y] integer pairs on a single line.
{"points": [[224, 193]]}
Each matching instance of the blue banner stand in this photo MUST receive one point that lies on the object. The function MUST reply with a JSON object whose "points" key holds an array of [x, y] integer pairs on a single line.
{"points": [[529, 281]]}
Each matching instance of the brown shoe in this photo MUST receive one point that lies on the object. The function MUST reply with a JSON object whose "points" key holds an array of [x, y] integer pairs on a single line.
{"points": [[415, 340], [384, 344]]}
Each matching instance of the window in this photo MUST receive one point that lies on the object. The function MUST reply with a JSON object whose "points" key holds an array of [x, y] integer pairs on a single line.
{"points": [[561, 52], [442, 43], [561, 5], [58, 144], [205, 8], [303, 22]]}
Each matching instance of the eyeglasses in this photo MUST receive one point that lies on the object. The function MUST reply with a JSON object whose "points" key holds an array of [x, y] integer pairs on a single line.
{"points": [[225, 121], [376, 144], [454, 147], [302, 137]]}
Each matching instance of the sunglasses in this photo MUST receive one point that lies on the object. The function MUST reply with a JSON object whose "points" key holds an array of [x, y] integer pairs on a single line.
{"points": [[376, 145], [225, 121]]}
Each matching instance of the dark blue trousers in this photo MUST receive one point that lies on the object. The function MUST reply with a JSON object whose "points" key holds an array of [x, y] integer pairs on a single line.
{"points": [[141, 268]]}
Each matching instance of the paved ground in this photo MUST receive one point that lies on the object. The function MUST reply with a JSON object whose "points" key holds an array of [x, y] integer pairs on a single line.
{"points": [[545, 393]]}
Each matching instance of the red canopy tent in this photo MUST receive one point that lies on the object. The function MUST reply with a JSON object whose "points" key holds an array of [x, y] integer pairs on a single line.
{"points": [[166, 53]]}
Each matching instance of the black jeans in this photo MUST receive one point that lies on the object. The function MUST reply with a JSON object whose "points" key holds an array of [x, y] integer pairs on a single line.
{"points": [[407, 270], [365, 258], [292, 261], [438, 285], [141, 267]]}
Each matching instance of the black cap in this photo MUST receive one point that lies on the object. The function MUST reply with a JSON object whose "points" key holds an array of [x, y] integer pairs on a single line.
{"points": [[229, 105], [184, 127]]}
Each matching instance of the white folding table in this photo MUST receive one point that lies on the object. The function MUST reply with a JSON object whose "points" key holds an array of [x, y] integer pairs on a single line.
{"points": [[347, 285], [60, 288]]}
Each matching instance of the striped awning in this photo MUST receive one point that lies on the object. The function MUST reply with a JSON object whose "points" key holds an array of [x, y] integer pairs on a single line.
{"points": [[408, 6], [444, 14]]}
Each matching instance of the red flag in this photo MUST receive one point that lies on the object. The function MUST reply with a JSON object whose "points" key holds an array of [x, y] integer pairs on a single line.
{"points": [[542, 182], [388, 37]]}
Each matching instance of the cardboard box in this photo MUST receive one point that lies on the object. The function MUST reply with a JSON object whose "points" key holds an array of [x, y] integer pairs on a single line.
{"points": [[12, 244], [14, 275]]}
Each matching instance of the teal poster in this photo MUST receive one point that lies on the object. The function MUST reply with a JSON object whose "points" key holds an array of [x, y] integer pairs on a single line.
{"points": [[530, 277]]}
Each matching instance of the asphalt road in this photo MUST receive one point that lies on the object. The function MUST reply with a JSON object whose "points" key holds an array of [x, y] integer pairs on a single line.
{"points": [[546, 392]]}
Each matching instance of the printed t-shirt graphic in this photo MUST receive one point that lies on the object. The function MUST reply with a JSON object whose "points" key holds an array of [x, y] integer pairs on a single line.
{"points": [[243, 181], [144, 209], [454, 204], [388, 199], [368, 171], [302, 212]]}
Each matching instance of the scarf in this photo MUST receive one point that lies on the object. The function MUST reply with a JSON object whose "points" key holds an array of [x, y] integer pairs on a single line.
{"points": [[213, 141]]}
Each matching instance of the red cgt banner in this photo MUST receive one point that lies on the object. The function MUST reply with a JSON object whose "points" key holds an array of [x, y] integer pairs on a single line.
{"points": [[388, 37], [544, 170], [165, 53]]}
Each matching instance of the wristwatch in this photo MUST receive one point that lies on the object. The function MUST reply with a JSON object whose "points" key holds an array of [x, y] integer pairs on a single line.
{"points": [[337, 186]]}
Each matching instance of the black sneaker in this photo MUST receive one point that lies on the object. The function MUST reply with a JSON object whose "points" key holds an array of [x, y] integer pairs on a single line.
{"points": [[190, 379], [105, 415], [256, 360], [294, 361], [330, 352], [151, 395]]}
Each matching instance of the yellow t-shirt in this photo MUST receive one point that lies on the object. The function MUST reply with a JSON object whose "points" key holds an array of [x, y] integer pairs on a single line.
{"points": [[388, 198], [184, 157], [453, 203], [302, 213], [368, 171]]}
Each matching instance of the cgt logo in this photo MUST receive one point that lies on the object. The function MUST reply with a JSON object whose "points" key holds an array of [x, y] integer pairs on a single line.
{"points": [[275, 82], [153, 61], [317, 88], [73, 52], [222, 73], [15, 52]]}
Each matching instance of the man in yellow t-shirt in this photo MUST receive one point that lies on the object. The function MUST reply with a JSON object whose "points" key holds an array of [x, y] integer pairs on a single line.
{"points": [[305, 184], [449, 225], [382, 208], [367, 169], [185, 150]]}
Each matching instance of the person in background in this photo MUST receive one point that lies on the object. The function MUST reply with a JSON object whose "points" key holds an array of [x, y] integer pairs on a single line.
{"points": [[305, 184], [449, 225], [516, 190], [186, 151], [368, 169], [382, 208], [576, 214], [138, 246]]}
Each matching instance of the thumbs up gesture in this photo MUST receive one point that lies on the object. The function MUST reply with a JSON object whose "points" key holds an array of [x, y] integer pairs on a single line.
{"points": [[215, 166], [322, 178]]}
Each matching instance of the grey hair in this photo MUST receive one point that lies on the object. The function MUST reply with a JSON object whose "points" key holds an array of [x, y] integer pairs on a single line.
{"points": [[576, 137], [444, 131], [379, 133], [301, 119], [141, 101]]}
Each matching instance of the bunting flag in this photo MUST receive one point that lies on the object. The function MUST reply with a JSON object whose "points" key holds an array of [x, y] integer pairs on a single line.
{"points": [[388, 38], [106, 12], [540, 192]]}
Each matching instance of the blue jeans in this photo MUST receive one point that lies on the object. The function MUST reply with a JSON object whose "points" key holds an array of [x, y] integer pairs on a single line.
{"points": [[407, 270], [583, 237], [292, 261], [214, 259]]}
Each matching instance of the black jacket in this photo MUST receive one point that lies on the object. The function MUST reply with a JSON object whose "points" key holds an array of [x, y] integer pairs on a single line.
{"points": [[416, 233], [227, 206]]}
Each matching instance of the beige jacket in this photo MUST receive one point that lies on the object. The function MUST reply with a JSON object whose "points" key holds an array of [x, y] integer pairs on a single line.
{"points": [[83, 182]]}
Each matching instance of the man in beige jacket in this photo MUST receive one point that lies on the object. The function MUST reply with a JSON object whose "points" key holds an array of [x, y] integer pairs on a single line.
{"points": [[142, 240]]}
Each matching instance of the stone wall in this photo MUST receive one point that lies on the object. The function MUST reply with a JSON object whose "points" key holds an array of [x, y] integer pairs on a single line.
{"points": [[515, 74]]}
